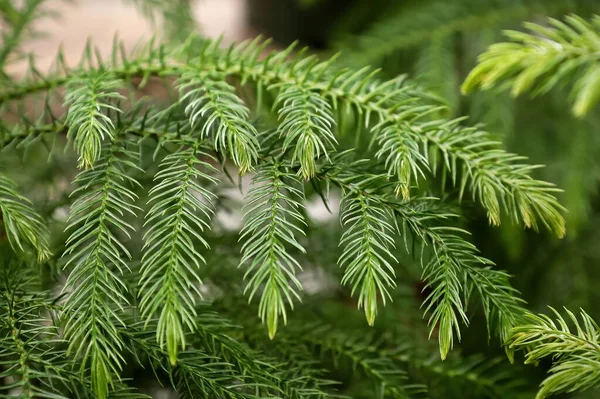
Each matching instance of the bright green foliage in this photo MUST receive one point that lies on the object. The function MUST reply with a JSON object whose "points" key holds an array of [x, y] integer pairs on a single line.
{"points": [[306, 124], [399, 144], [24, 228], [97, 259], [452, 269], [365, 356], [366, 256], [132, 301], [548, 56], [452, 261], [574, 349], [88, 100], [272, 219], [223, 114], [28, 351], [181, 211], [496, 184]]}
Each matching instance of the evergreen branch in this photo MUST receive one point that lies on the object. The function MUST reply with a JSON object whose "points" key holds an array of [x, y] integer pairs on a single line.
{"points": [[575, 352], [399, 144], [271, 217], [226, 116], [122, 391], [455, 269], [502, 304], [306, 123], [364, 355], [196, 373], [24, 228], [458, 376], [25, 134], [170, 331], [366, 256], [299, 373], [495, 177], [88, 98], [443, 276], [296, 348], [564, 52], [389, 102], [95, 253], [181, 210], [212, 336], [27, 344]]}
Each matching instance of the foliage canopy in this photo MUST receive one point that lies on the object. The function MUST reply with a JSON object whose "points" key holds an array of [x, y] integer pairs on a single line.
{"points": [[143, 271]]}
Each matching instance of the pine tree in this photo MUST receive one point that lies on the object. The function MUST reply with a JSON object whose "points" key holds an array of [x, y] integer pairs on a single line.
{"points": [[117, 258]]}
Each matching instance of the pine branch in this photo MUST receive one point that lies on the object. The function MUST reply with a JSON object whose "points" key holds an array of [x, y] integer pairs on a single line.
{"points": [[563, 52], [218, 337], [195, 372], [96, 254], [161, 126], [367, 256], [362, 352], [271, 217], [226, 116], [399, 144], [306, 122], [452, 270], [497, 179], [27, 343], [575, 352], [455, 269], [88, 98], [204, 121], [24, 228], [181, 211], [299, 371], [459, 376], [388, 102]]}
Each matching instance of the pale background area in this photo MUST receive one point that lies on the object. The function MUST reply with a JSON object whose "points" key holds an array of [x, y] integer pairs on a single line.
{"points": [[79, 20]]}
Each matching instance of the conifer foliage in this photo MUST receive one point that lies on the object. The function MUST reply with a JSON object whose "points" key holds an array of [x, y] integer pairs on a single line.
{"points": [[546, 56], [144, 273]]}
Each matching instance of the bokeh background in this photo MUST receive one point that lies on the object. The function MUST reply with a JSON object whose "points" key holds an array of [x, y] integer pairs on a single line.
{"points": [[77, 20]]}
